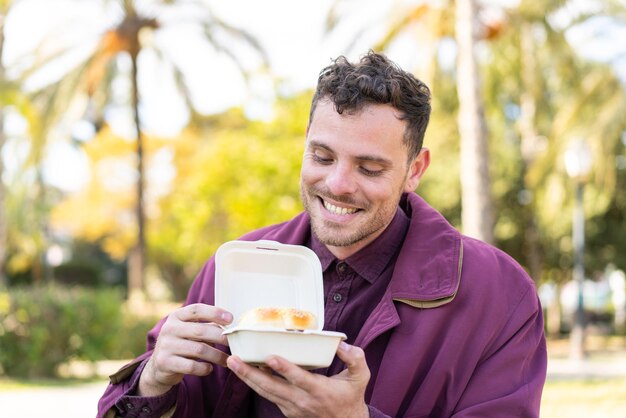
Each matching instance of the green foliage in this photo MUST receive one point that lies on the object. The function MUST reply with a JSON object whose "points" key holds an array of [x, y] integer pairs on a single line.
{"points": [[90, 266], [235, 176], [78, 272], [535, 79], [441, 185], [43, 327], [25, 213]]}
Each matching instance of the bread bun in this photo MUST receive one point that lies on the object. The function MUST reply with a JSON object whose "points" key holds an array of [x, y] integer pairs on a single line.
{"points": [[280, 318]]}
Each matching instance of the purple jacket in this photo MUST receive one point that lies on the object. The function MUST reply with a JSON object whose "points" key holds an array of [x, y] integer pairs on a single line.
{"points": [[462, 326]]}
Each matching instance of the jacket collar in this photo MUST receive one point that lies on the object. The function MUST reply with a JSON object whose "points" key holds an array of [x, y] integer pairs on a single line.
{"points": [[428, 269]]}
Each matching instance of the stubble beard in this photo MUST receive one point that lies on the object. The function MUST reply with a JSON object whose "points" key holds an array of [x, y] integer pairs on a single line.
{"points": [[332, 234]]}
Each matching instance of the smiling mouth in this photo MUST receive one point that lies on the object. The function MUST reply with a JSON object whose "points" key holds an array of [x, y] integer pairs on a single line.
{"points": [[338, 210]]}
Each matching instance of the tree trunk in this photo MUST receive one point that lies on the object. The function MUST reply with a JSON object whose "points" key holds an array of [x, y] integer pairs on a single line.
{"points": [[477, 206], [41, 272], [3, 218], [529, 145], [137, 261]]}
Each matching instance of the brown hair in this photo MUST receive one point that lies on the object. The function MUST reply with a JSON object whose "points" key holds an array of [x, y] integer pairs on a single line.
{"points": [[376, 80]]}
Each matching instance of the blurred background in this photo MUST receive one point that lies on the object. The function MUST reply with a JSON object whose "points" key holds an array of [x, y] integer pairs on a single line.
{"points": [[137, 136]]}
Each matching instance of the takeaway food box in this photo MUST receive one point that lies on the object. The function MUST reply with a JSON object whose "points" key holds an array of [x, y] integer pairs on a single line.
{"points": [[253, 274]]}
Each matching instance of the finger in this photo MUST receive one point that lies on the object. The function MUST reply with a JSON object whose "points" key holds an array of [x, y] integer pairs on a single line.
{"points": [[197, 350], [270, 387], [354, 359], [200, 312], [200, 331], [182, 365], [292, 373]]}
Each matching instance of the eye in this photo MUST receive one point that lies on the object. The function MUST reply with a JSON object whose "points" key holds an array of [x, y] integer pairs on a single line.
{"points": [[370, 173], [371, 168], [322, 157]]}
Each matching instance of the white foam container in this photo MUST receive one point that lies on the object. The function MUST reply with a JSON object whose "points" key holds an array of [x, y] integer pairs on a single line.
{"points": [[252, 274]]}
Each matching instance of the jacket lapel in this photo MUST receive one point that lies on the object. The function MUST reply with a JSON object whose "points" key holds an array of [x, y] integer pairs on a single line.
{"points": [[427, 272]]}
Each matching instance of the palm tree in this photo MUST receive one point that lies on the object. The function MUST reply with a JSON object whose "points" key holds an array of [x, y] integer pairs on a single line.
{"points": [[94, 76]]}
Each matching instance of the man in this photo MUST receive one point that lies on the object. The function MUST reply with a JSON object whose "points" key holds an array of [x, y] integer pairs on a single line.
{"points": [[438, 324]]}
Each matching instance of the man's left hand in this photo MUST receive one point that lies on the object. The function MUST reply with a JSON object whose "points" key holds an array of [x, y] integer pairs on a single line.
{"points": [[300, 393]]}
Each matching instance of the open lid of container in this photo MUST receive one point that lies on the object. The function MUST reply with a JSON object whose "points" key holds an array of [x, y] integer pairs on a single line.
{"points": [[252, 274]]}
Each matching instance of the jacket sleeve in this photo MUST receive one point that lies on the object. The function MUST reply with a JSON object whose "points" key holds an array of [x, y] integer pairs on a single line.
{"points": [[509, 380], [118, 395], [129, 404], [119, 399]]}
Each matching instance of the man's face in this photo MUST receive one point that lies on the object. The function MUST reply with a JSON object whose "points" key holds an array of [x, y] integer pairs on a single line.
{"points": [[354, 172]]}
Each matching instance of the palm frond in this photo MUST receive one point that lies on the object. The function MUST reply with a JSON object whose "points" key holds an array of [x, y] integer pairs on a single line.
{"points": [[333, 16], [224, 49], [216, 23], [179, 79], [413, 16]]}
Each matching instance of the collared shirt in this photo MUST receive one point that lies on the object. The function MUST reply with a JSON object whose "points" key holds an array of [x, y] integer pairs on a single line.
{"points": [[352, 288]]}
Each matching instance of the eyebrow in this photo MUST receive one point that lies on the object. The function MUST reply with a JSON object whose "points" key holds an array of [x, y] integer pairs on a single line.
{"points": [[365, 157]]}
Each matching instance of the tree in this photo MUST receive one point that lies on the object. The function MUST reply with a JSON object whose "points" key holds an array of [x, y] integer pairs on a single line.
{"points": [[549, 94], [92, 79], [244, 178]]}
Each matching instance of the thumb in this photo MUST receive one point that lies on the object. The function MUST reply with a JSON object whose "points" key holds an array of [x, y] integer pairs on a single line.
{"points": [[354, 358]]}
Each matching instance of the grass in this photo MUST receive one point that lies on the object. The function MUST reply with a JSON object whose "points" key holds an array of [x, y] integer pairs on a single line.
{"points": [[592, 398]]}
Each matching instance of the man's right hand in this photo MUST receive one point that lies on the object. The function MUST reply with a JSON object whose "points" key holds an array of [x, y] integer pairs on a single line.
{"points": [[185, 346]]}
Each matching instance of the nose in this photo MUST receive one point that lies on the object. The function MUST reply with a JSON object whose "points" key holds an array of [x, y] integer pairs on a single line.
{"points": [[340, 180]]}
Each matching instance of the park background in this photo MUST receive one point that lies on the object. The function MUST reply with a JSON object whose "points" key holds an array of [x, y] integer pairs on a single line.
{"points": [[137, 136]]}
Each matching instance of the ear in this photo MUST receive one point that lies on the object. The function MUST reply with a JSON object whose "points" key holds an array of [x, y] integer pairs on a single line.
{"points": [[417, 169]]}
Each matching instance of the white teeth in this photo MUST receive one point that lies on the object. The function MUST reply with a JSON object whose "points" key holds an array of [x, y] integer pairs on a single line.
{"points": [[337, 210]]}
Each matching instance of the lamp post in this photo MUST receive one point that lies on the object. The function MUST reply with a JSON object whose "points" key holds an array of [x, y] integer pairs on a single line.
{"points": [[578, 165]]}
